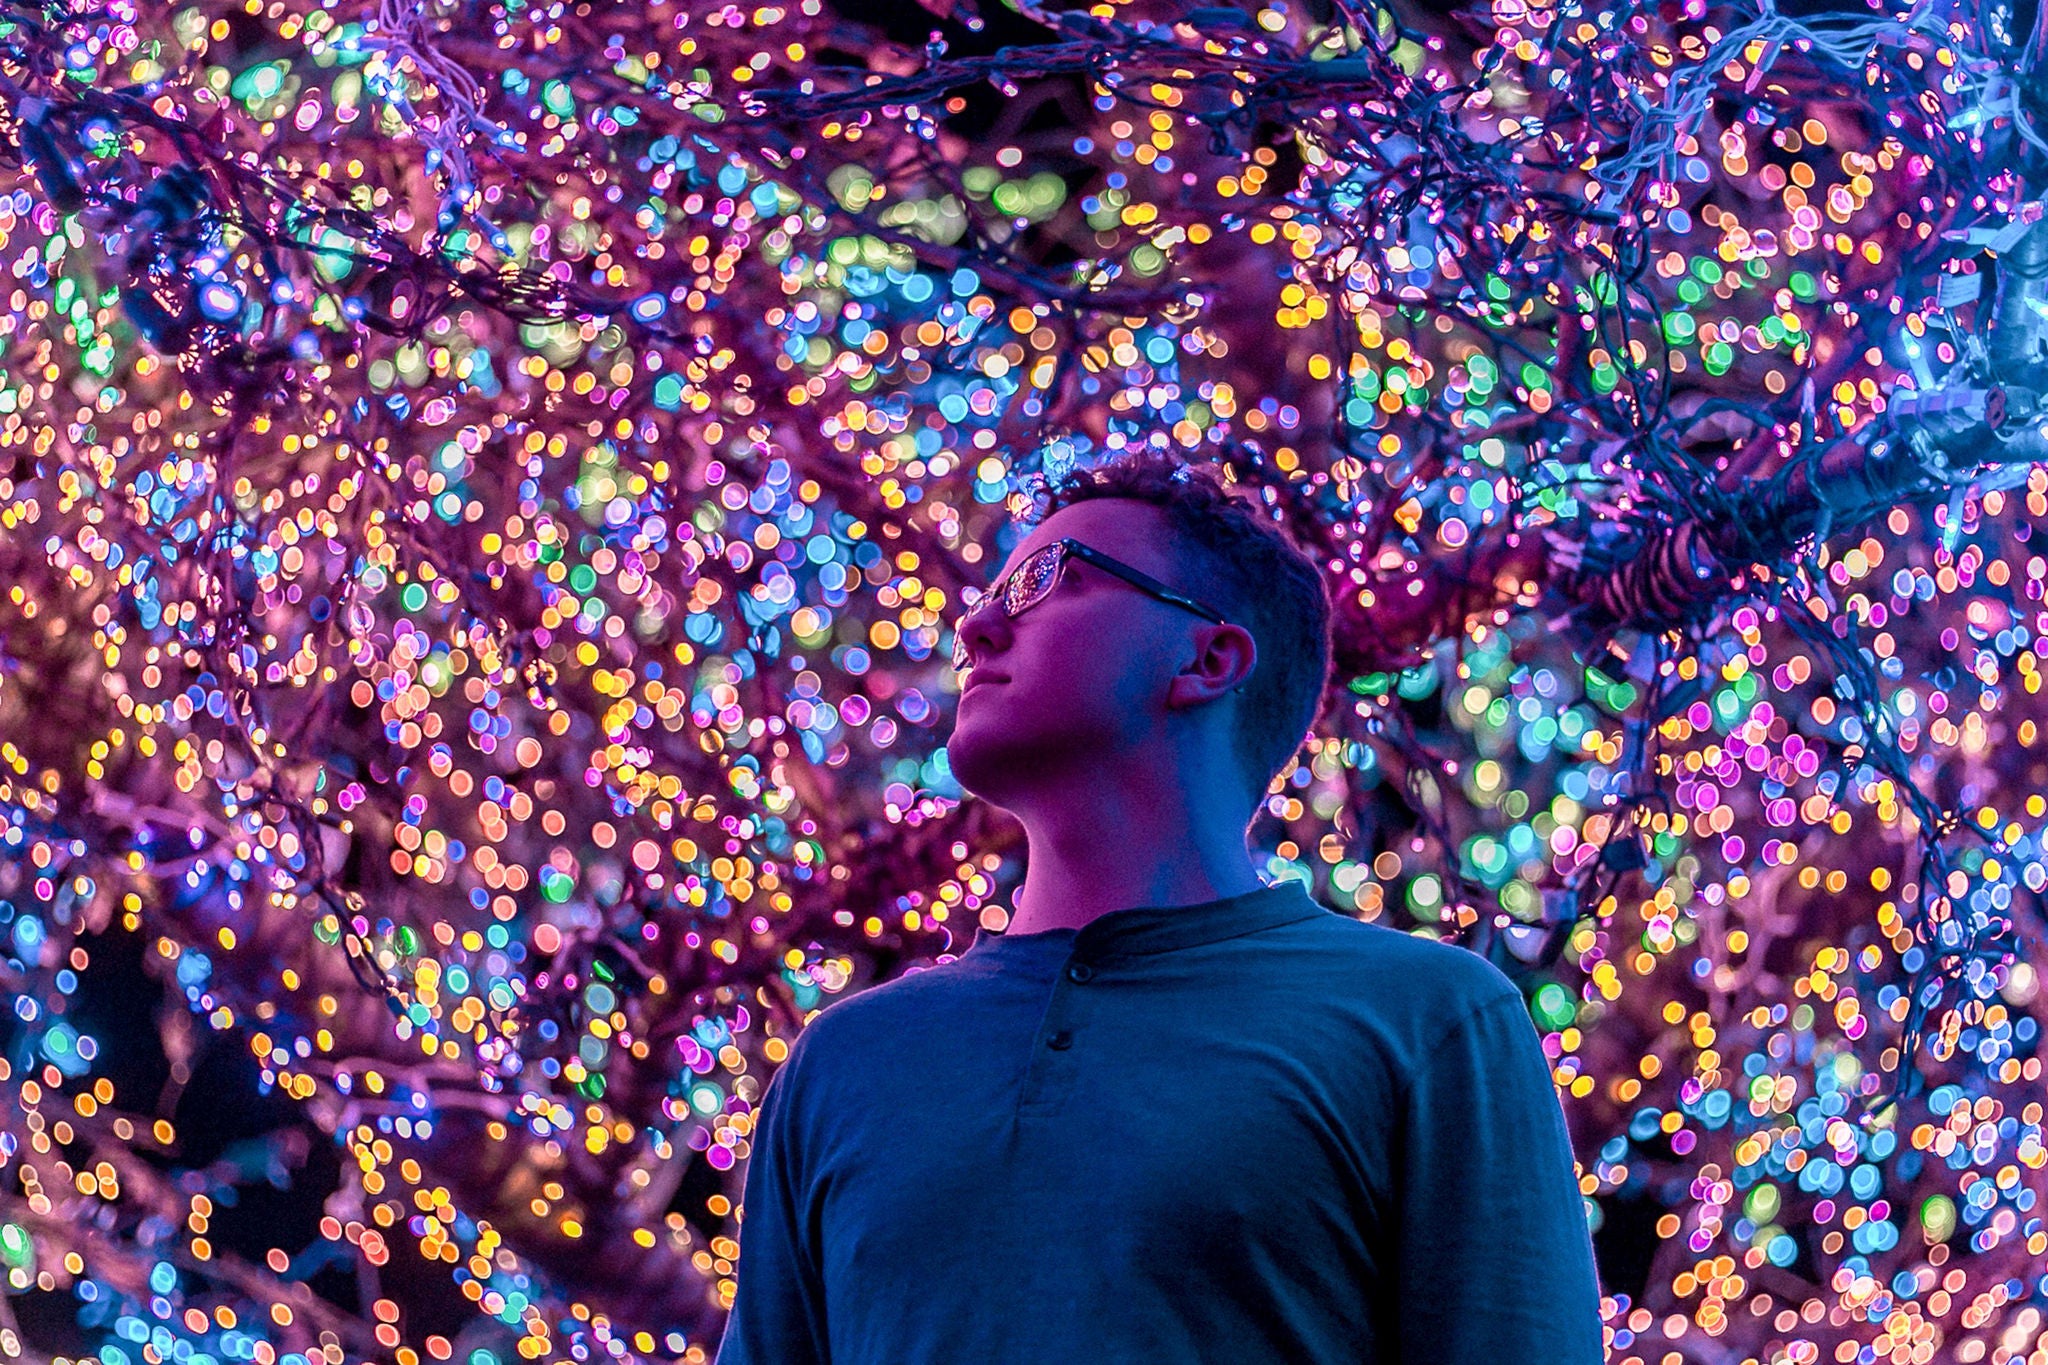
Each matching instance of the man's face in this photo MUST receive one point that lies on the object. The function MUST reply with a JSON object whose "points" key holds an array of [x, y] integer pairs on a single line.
{"points": [[1077, 685]]}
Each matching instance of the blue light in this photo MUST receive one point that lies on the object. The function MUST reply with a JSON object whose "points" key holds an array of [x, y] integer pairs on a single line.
{"points": [[220, 302]]}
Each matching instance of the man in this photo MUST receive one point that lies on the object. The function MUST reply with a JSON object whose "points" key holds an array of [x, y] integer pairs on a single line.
{"points": [[1172, 1114]]}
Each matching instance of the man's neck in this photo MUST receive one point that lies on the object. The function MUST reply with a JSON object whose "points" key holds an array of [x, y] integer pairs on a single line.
{"points": [[1089, 862]]}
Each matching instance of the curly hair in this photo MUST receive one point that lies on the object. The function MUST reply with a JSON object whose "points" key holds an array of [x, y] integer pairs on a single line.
{"points": [[1251, 569]]}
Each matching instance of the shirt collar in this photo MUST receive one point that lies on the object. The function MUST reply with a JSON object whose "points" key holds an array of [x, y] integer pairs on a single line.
{"points": [[1146, 929]]}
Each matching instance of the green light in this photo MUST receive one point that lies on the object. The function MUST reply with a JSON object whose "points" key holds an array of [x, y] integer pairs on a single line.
{"points": [[259, 82], [1553, 1006], [1418, 682]]}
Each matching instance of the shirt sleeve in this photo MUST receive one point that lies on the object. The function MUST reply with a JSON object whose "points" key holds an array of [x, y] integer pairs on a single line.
{"points": [[1495, 1260], [778, 1311]]}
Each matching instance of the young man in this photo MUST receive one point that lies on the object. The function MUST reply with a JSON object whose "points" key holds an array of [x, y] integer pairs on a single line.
{"points": [[1172, 1114]]}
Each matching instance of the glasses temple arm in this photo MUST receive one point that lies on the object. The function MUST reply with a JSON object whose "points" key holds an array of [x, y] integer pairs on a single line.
{"points": [[1152, 585]]}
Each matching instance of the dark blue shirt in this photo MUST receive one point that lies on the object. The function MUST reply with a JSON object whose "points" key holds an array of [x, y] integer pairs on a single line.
{"points": [[1247, 1131]]}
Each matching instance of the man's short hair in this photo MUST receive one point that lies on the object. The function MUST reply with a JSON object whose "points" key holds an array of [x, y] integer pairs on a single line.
{"points": [[1235, 557]]}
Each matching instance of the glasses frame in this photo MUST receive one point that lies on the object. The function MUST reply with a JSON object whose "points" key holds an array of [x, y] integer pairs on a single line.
{"points": [[1065, 549]]}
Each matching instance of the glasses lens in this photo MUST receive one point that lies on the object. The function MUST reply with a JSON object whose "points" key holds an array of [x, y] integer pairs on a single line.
{"points": [[1034, 578], [1031, 581]]}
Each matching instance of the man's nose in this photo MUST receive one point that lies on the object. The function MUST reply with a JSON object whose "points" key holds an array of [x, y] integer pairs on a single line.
{"points": [[983, 631]]}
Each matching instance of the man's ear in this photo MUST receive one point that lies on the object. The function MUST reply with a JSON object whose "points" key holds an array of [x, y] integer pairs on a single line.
{"points": [[1224, 658]]}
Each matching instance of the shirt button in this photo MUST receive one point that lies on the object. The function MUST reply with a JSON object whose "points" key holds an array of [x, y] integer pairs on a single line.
{"points": [[1080, 971], [1061, 1041]]}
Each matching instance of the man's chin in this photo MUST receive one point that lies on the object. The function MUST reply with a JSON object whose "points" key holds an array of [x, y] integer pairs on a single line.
{"points": [[977, 777], [989, 766]]}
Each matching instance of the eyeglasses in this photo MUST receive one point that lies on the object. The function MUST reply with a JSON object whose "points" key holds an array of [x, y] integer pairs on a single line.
{"points": [[1029, 583]]}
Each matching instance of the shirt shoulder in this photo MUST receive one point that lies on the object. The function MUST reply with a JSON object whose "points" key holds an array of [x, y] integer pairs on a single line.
{"points": [[886, 1017], [1453, 980], [1404, 990], [920, 988]]}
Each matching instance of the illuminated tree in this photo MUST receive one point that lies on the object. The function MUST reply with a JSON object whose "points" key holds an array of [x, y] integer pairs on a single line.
{"points": [[485, 489]]}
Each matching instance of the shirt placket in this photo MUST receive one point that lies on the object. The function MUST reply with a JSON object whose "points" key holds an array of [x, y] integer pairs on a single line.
{"points": [[1062, 1037]]}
